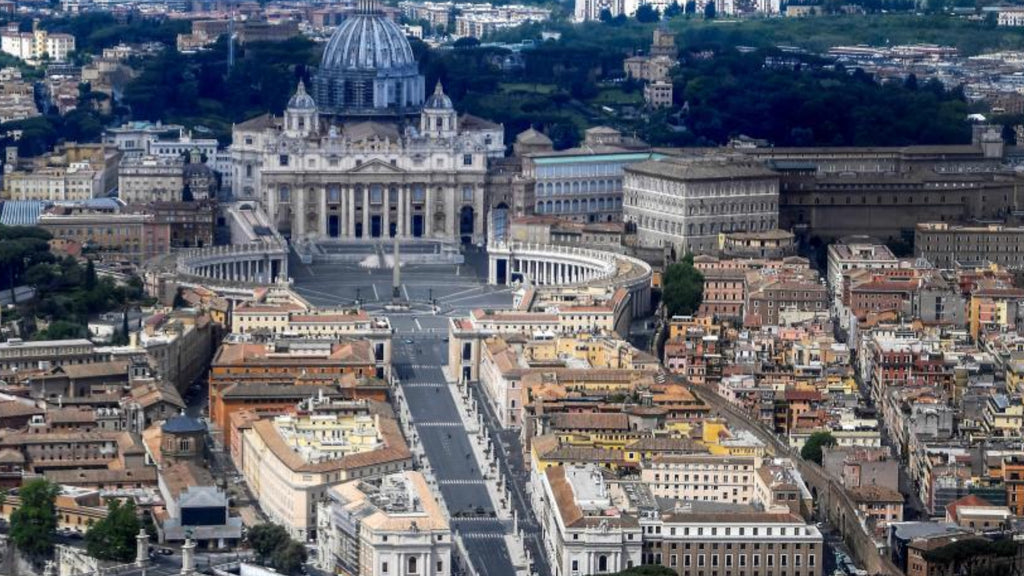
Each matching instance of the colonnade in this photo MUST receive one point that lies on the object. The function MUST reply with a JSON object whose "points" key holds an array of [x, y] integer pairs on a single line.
{"points": [[255, 263], [551, 272]]}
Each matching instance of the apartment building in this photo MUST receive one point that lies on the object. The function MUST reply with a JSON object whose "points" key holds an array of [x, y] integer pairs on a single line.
{"points": [[148, 179]]}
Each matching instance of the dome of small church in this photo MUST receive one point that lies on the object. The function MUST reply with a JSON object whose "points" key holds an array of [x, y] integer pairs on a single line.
{"points": [[439, 100], [301, 100]]}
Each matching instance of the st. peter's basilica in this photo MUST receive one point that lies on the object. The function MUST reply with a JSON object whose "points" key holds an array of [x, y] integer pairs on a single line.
{"points": [[366, 153]]}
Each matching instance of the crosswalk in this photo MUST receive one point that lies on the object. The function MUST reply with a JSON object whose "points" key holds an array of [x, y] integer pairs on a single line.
{"points": [[425, 385], [481, 536]]}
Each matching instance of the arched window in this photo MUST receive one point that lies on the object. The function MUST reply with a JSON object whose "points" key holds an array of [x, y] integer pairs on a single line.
{"points": [[602, 563], [412, 565]]}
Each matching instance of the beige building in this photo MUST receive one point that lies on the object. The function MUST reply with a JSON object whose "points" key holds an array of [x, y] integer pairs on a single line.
{"points": [[683, 204], [658, 94], [151, 179], [395, 526], [108, 233], [70, 172], [289, 463], [702, 477]]}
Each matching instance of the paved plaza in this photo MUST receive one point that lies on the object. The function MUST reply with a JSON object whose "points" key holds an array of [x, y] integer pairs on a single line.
{"points": [[455, 288]]}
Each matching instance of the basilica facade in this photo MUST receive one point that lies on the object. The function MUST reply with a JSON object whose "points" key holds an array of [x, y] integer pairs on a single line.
{"points": [[368, 155]]}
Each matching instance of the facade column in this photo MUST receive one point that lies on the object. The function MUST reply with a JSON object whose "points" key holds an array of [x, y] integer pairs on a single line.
{"points": [[452, 216], [322, 232], [366, 211], [299, 212], [428, 214], [385, 218], [408, 210], [350, 211], [400, 224]]}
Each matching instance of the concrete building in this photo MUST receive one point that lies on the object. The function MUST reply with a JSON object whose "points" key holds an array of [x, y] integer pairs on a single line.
{"points": [[582, 184], [945, 244], [395, 526], [702, 477], [109, 232], [290, 462], [859, 253], [151, 179], [683, 204], [70, 172]]}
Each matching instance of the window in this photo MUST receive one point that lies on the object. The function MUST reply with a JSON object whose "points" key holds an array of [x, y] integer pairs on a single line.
{"points": [[602, 563], [440, 566], [413, 564], [575, 565], [467, 159], [810, 560], [284, 195], [383, 567], [282, 160], [467, 193], [334, 194], [248, 170]]}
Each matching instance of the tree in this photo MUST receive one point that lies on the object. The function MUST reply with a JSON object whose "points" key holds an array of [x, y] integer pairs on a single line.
{"points": [[812, 447], [683, 288], [273, 545], [690, 8], [113, 538], [90, 275], [647, 14], [709, 11], [673, 10], [606, 15], [265, 538], [34, 523], [648, 570], [289, 557]]}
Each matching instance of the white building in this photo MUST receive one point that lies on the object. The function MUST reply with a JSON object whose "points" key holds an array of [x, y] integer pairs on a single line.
{"points": [[36, 46], [395, 527], [856, 254], [584, 532]]}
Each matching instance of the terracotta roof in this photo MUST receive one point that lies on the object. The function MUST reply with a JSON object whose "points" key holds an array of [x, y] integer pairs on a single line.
{"points": [[969, 500], [179, 476], [17, 409], [589, 421], [102, 476], [874, 494], [561, 489]]}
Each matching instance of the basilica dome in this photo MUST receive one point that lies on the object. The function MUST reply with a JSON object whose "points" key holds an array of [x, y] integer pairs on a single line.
{"points": [[368, 69], [368, 42]]}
